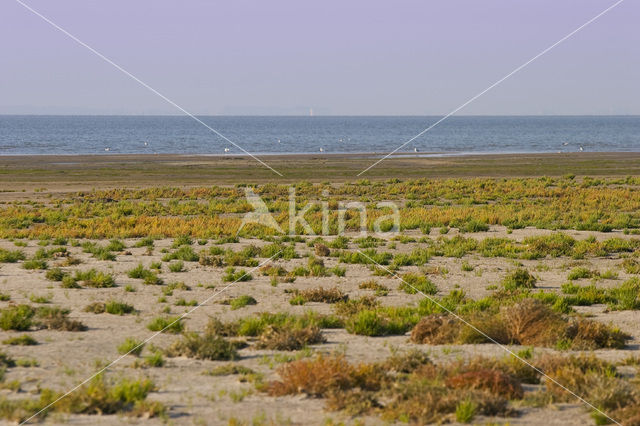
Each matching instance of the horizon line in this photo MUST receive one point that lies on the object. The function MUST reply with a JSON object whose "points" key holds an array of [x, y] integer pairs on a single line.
{"points": [[315, 115]]}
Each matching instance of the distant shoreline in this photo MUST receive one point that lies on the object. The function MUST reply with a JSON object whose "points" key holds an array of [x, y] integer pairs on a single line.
{"points": [[373, 155], [69, 173]]}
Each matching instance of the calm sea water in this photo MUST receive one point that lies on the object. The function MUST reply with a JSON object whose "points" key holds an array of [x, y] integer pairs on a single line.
{"points": [[291, 135]]}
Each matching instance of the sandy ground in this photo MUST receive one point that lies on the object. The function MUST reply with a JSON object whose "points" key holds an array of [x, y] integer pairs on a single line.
{"points": [[66, 358]]}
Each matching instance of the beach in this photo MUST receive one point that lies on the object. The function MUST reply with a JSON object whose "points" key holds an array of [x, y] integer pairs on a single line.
{"points": [[119, 246]]}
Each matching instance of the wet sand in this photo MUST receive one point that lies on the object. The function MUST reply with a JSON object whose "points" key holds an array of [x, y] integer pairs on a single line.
{"points": [[63, 172]]}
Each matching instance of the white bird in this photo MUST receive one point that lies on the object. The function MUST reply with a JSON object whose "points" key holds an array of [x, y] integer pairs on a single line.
{"points": [[565, 143], [278, 140], [107, 149], [581, 149], [415, 149], [321, 149], [339, 140], [226, 150]]}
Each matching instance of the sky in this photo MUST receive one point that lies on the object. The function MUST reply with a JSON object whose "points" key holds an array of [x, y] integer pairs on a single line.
{"points": [[356, 57]]}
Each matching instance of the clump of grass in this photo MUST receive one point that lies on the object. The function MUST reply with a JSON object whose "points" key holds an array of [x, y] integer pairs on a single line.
{"points": [[518, 279], [380, 290], [55, 274], [229, 370], [116, 245], [11, 256], [554, 245], [98, 252], [69, 281], [351, 307], [24, 340], [207, 346], [94, 278], [138, 272], [466, 411], [242, 301], [35, 264], [34, 298], [316, 377], [435, 329], [407, 362], [526, 322], [149, 277], [625, 296], [131, 346], [118, 308], [176, 266], [413, 283], [474, 226], [184, 253], [184, 302], [154, 360], [321, 294], [373, 323], [289, 337], [168, 290], [231, 275], [580, 273], [631, 266], [316, 267], [17, 317], [182, 240], [97, 397], [166, 325], [55, 318], [466, 266], [145, 242], [338, 271]]}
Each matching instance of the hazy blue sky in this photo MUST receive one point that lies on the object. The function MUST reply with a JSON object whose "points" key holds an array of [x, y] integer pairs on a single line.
{"points": [[338, 57]]}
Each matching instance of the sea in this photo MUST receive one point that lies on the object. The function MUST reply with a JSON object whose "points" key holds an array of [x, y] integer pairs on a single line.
{"points": [[457, 135]]}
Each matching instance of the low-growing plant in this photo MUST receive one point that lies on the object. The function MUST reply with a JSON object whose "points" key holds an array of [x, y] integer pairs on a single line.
{"points": [[322, 295], [380, 290], [631, 266], [207, 346], [520, 278], [24, 340], [289, 337], [242, 301], [17, 317], [35, 264], [579, 273], [56, 318], [184, 253], [155, 360], [131, 346], [176, 266], [231, 275], [94, 278], [11, 256], [413, 283], [55, 274], [34, 298], [118, 308], [166, 325]]}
